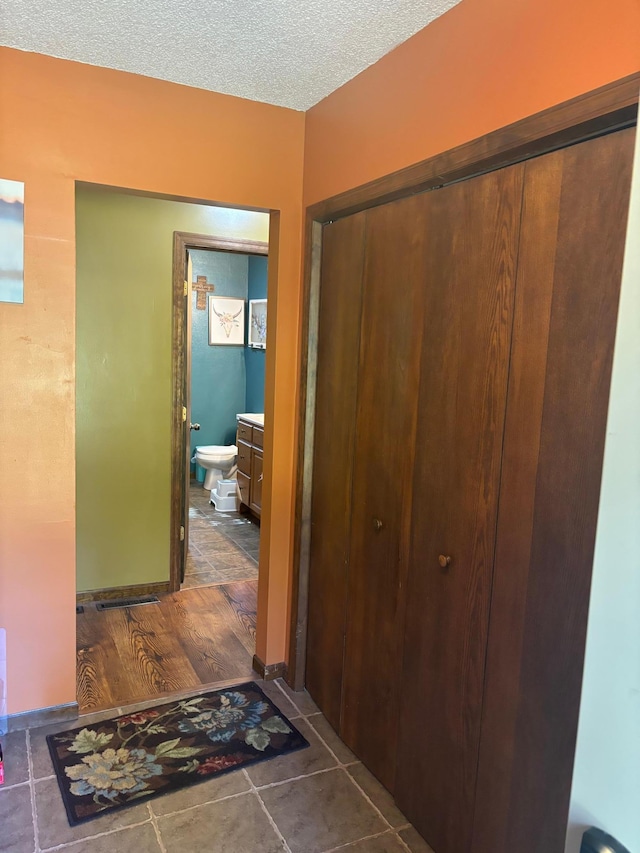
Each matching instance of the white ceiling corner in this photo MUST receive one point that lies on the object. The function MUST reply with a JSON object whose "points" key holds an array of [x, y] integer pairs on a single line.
{"points": [[286, 52]]}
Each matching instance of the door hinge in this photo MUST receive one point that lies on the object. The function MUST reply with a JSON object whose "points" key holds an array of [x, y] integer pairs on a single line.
{"points": [[181, 533], [184, 414], [186, 288]]}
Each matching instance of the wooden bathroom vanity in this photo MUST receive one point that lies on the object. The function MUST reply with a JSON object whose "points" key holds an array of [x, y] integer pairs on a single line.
{"points": [[250, 442]]}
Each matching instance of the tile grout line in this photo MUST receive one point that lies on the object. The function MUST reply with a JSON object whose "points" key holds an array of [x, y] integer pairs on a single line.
{"points": [[274, 825], [69, 844], [357, 841], [373, 805], [401, 840], [34, 810], [199, 805], [293, 778], [156, 829], [16, 785], [32, 791], [284, 693], [343, 767], [323, 741]]}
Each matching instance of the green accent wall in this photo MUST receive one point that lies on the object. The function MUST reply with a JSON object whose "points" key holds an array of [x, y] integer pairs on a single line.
{"points": [[123, 376]]}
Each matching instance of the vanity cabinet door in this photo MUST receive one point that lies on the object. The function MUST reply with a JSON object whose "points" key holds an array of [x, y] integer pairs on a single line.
{"points": [[244, 458], [244, 484]]}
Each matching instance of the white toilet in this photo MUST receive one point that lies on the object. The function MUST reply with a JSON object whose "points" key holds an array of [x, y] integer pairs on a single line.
{"points": [[217, 460]]}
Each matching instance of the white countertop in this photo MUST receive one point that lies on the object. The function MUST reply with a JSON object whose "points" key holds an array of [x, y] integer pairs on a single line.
{"points": [[252, 418]]}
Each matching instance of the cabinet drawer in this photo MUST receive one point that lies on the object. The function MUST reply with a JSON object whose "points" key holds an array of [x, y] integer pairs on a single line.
{"points": [[244, 458], [258, 436], [245, 432], [244, 484]]}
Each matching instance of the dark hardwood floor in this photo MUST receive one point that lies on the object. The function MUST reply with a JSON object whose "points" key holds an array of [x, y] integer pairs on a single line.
{"points": [[191, 638]]}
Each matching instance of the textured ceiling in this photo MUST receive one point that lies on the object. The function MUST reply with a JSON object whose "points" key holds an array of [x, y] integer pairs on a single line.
{"points": [[287, 52]]}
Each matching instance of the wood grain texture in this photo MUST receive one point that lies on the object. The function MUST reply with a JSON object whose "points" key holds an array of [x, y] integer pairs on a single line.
{"points": [[336, 399], [244, 457], [250, 444], [193, 240], [179, 369], [204, 625], [238, 603], [596, 112], [192, 638], [184, 496], [256, 482], [576, 204], [610, 107], [468, 316], [94, 648], [146, 638], [296, 665], [397, 245]]}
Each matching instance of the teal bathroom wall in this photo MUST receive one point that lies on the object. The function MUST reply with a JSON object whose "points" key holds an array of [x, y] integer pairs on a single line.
{"points": [[255, 358], [218, 382]]}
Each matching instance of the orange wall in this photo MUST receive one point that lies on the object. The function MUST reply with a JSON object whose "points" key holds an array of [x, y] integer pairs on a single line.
{"points": [[61, 122], [482, 65]]}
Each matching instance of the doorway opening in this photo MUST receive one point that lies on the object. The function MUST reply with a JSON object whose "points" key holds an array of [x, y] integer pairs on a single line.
{"points": [[131, 375], [226, 407], [219, 325]]}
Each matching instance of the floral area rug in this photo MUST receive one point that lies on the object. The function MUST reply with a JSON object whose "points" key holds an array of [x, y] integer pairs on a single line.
{"points": [[121, 761]]}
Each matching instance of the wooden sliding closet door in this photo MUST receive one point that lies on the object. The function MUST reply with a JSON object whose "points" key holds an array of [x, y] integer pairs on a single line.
{"points": [[336, 397], [569, 271], [396, 258], [468, 315]]}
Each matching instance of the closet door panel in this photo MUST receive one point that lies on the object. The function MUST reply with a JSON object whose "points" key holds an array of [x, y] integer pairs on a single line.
{"points": [[395, 265], [468, 319], [336, 396], [569, 271]]}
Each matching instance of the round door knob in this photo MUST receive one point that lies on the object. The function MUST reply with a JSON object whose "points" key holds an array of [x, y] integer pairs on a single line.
{"points": [[194, 426], [444, 561], [377, 525]]}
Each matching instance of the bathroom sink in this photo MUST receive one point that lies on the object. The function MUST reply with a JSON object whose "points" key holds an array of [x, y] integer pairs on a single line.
{"points": [[252, 418]]}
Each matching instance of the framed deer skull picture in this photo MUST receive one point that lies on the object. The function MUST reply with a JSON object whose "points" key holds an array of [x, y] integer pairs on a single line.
{"points": [[226, 321]]}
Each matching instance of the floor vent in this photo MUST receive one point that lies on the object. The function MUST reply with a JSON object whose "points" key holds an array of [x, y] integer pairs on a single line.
{"points": [[127, 602], [79, 609]]}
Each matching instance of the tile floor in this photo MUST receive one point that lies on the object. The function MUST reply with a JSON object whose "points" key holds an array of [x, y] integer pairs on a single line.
{"points": [[317, 800], [223, 546]]}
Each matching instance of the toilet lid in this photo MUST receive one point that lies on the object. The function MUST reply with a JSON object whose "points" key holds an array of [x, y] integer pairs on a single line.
{"points": [[217, 450]]}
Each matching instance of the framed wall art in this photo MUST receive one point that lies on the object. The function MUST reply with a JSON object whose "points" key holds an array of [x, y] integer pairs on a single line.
{"points": [[226, 321], [258, 323]]}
